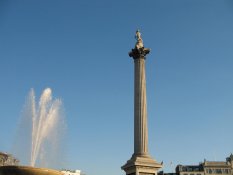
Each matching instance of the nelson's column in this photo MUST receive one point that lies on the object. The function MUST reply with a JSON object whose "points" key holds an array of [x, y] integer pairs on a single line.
{"points": [[141, 163]]}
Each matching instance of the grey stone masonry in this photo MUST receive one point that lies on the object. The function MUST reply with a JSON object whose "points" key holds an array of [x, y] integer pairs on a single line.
{"points": [[140, 163], [140, 108]]}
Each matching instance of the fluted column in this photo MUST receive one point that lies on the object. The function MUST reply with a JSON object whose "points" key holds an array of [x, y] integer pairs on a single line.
{"points": [[140, 108], [141, 163]]}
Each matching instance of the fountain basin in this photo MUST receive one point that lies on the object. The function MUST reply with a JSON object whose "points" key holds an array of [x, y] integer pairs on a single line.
{"points": [[26, 170]]}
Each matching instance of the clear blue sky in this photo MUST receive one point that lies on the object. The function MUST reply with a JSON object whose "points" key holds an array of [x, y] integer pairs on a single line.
{"points": [[80, 50]]}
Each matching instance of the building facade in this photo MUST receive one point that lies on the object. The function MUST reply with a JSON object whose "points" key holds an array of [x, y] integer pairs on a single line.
{"points": [[208, 168], [69, 172], [190, 170], [205, 168], [7, 159]]}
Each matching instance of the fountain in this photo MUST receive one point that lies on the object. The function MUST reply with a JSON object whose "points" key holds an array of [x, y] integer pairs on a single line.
{"points": [[45, 127], [40, 133]]}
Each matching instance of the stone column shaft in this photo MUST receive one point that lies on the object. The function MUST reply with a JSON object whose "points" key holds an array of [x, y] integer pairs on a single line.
{"points": [[140, 109]]}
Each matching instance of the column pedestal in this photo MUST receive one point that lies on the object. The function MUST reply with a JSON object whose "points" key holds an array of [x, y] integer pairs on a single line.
{"points": [[141, 166]]}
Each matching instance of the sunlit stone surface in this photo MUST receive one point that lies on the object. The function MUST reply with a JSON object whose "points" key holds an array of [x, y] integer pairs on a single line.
{"points": [[24, 170], [140, 163]]}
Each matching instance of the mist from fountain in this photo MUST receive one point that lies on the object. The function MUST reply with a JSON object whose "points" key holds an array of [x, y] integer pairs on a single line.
{"points": [[43, 128]]}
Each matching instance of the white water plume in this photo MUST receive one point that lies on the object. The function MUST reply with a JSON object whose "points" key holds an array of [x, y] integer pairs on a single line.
{"points": [[46, 124]]}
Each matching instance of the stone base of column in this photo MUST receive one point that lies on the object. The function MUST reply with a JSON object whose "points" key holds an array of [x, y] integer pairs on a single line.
{"points": [[141, 166]]}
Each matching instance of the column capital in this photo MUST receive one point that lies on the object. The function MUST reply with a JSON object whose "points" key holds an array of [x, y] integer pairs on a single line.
{"points": [[138, 53]]}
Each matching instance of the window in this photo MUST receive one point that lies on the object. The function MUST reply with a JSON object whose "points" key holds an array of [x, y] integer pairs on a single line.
{"points": [[210, 171], [218, 171]]}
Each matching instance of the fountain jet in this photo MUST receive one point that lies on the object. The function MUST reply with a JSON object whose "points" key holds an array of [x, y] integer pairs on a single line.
{"points": [[46, 124]]}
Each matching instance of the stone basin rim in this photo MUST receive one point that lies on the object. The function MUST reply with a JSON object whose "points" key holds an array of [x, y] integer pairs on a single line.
{"points": [[30, 168]]}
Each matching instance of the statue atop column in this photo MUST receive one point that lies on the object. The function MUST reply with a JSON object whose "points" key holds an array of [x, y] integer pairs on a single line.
{"points": [[139, 51], [139, 43]]}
